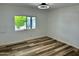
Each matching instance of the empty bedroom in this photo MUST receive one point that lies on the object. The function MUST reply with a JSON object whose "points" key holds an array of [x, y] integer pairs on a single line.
{"points": [[39, 29]]}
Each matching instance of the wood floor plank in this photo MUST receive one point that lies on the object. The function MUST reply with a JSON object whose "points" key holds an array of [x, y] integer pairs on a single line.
{"points": [[33, 49], [51, 52], [44, 49], [57, 44], [34, 44], [44, 46], [73, 53], [64, 52], [37, 40], [17, 45]]}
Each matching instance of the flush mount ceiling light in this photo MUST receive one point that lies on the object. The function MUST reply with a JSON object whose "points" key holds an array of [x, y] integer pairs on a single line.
{"points": [[43, 6]]}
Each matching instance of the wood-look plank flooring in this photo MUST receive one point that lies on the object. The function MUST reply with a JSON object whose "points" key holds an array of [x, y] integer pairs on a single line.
{"points": [[43, 46]]}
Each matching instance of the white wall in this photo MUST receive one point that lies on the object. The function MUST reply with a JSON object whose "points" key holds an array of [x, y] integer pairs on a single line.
{"points": [[7, 32], [63, 24]]}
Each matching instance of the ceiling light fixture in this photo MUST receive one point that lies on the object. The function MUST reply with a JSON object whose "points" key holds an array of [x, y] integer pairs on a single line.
{"points": [[43, 6]]}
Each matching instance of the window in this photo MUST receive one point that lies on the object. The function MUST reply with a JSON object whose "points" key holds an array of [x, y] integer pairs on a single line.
{"points": [[24, 22]]}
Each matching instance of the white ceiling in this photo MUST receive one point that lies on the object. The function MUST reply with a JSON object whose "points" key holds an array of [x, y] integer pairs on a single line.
{"points": [[54, 5], [34, 5]]}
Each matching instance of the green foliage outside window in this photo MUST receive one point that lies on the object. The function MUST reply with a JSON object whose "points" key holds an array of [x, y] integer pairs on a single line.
{"points": [[20, 21]]}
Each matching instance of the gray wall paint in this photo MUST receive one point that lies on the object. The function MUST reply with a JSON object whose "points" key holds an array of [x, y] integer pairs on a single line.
{"points": [[7, 32], [63, 25]]}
